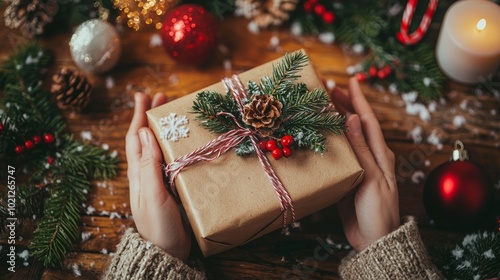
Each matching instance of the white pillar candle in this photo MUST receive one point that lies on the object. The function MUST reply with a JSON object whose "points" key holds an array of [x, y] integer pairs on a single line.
{"points": [[468, 47]]}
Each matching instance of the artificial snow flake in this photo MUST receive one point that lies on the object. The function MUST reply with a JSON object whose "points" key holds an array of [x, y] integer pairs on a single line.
{"points": [[458, 121], [464, 265], [155, 41], [489, 254], [457, 252], [296, 29], [427, 81], [326, 38], [469, 239], [173, 127]]}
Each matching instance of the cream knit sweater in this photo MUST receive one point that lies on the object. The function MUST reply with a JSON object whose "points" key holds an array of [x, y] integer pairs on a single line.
{"points": [[399, 255]]}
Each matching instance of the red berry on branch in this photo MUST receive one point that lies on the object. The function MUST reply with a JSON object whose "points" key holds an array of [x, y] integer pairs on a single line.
{"points": [[308, 7], [37, 139], [1, 127], [381, 74], [387, 69], [372, 71], [51, 160], [48, 138], [19, 149], [329, 17], [287, 141], [313, 1], [319, 9], [271, 145], [277, 153], [29, 144], [262, 145], [287, 152], [361, 77]]}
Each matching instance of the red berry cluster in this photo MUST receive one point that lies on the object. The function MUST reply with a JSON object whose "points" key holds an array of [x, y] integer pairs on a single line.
{"points": [[313, 6], [374, 72], [30, 144], [283, 149]]}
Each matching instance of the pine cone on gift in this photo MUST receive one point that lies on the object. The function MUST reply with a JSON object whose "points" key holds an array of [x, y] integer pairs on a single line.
{"points": [[266, 13], [71, 89], [263, 113], [30, 16]]}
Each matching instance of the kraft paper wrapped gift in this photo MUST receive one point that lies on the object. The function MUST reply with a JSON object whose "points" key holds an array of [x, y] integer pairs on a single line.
{"points": [[230, 201]]}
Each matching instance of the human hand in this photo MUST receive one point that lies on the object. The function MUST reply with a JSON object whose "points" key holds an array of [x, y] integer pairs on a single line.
{"points": [[155, 211], [373, 210]]}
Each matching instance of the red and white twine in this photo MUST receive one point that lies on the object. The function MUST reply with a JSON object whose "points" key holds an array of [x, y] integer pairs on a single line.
{"points": [[220, 145], [403, 35]]}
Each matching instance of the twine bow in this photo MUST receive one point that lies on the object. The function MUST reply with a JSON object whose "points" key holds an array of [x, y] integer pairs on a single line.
{"points": [[226, 141]]}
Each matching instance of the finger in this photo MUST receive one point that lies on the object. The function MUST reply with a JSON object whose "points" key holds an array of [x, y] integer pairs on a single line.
{"points": [[341, 99], [360, 147], [158, 100], [133, 147], [370, 124], [151, 175]]}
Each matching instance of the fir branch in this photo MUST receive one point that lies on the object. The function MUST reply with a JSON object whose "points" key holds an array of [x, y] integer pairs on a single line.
{"points": [[475, 257], [285, 72], [330, 121], [206, 107], [59, 226], [301, 100], [82, 158]]}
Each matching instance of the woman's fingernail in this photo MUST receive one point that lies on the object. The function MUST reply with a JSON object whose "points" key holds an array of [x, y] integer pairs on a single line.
{"points": [[144, 137]]}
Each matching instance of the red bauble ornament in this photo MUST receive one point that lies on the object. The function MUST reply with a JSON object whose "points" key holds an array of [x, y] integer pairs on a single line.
{"points": [[277, 153], [287, 141], [458, 193], [19, 149], [271, 145], [29, 144], [37, 139], [48, 138], [189, 34]]}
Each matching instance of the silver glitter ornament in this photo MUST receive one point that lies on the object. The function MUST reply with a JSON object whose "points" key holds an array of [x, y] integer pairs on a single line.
{"points": [[95, 46]]}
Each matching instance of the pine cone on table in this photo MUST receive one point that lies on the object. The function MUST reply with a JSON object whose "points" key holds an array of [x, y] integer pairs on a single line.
{"points": [[263, 113], [71, 89], [30, 16], [266, 13]]}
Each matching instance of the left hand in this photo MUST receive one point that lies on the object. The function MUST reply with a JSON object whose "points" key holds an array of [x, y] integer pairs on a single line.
{"points": [[155, 211]]}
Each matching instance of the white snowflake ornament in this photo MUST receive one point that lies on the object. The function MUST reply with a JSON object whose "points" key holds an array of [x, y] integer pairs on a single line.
{"points": [[173, 127]]}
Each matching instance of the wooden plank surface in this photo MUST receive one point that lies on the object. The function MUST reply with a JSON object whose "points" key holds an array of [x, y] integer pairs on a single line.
{"points": [[149, 69]]}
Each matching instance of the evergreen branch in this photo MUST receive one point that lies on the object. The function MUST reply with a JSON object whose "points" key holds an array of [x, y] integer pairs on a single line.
{"points": [[206, 107], [475, 257], [308, 138], [82, 158], [301, 100], [58, 228], [331, 121], [284, 73]]}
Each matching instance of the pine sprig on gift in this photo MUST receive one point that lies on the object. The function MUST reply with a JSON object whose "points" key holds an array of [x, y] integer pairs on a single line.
{"points": [[59, 169], [476, 257], [305, 114]]}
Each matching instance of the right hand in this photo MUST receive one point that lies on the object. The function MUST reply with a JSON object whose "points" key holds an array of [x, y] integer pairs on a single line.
{"points": [[373, 210]]}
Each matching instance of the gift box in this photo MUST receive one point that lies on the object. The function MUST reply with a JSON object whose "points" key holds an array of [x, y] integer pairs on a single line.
{"points": [[230, 201]]}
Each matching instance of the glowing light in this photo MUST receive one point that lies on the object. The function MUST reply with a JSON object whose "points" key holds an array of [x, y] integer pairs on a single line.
{"points": [[481, 24], [448, 187], [179, 30]]}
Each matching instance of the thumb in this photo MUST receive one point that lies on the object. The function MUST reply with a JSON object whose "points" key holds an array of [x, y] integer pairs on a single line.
{"points": [[359, 145], [152, 186]]}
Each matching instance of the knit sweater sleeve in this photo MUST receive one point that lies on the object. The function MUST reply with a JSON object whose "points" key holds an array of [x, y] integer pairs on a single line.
{"points": [[399, 255], [136, 258]]}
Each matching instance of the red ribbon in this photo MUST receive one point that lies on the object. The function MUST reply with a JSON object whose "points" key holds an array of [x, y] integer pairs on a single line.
{"points": [[224, 142]]}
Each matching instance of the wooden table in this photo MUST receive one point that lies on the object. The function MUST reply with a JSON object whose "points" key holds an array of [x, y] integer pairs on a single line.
{"points": [[149, 69]]}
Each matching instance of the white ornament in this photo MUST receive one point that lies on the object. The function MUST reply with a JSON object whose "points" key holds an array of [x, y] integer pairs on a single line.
{"points": [[95, 46], [173, 127]]}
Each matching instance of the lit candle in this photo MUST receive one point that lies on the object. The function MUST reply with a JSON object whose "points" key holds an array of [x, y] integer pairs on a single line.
{"points": [[468, 47]]}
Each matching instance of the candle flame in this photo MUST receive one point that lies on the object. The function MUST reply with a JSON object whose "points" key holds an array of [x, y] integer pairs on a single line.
{"points": [[481, 24]]}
